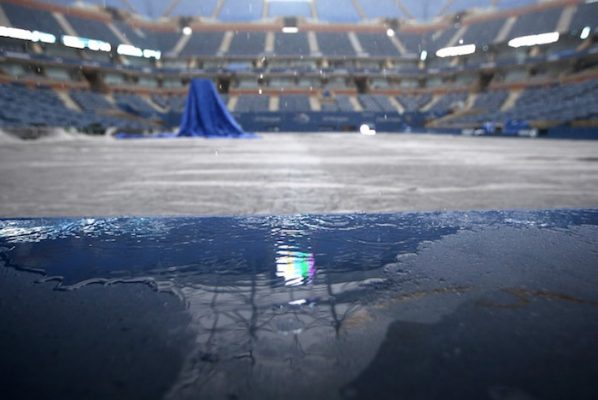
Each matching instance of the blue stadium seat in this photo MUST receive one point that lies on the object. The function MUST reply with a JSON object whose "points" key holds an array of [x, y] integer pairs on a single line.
{"points": [[247, 44], [413, 42], [294, 103], [537, 22], [377, 44], [291, 44], [483, 33], [92, 29], [203, 44], [163, 41], [335, 44], [32, 19], [414, 102], [137, 37], [170, 102], [586, 14], [252, 103]]}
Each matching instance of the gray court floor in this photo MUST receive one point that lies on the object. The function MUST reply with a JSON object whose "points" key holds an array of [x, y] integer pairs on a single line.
{"points": [[293, 173]]}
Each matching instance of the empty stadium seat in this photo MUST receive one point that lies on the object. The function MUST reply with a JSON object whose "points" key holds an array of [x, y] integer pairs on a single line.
{"points": [[294, 103], [335, 44], [247, 44], [203, 44], [32, 19], [377, 44], [92, 29], [252, 103], [291, 44]]}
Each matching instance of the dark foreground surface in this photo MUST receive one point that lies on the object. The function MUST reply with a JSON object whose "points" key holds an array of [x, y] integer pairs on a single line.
{"points": [[477, 305]]}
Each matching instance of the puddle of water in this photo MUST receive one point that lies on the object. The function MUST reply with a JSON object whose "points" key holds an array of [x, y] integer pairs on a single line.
{"points": [[298, 306]]}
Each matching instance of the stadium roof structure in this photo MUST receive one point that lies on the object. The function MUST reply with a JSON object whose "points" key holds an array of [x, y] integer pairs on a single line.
{"points": [[339, 11]]}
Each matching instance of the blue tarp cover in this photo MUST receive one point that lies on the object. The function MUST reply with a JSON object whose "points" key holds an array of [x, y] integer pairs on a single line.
{"points": [[206, 115]]}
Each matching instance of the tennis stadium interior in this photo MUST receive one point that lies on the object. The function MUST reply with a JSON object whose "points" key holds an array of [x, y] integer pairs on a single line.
{"points": [[466, 66]]}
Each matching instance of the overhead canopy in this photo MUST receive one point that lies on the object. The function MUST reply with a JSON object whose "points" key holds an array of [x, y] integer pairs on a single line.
{"points": [[206, 115]]}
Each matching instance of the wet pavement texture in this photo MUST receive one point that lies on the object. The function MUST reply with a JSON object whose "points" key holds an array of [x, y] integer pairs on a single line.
{"points": [[479, 305], [293, 173]]}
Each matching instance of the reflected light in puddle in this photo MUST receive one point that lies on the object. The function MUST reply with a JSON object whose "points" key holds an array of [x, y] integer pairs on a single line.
{"points": [[295, 267]]}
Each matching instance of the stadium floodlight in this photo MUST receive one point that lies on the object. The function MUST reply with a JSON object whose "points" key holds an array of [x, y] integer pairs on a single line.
{"points": [[423, 55], [148, 53], [38, 36], [534, 40], [98, 45], [73, 41], [585, 33], [82, 43], [187, 31], [24, 34], [15, 33], [290, 29], [128, 50], [456, 51]]}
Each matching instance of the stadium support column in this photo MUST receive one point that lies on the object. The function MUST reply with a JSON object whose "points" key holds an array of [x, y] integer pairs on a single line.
{"points": [[565, 20], [312, 41], [180, 45], [399, 45], [123, 38], [64, 24], [314, 104], [225, 45], [395, 103], [505, 30], [274, 103], [313, 9], [359, 9], [356, 45], [269, 49], [457, 36], [3, 19]]}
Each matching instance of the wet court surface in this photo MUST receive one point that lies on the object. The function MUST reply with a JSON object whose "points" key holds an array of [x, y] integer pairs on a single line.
{"points": [[288, 174], [477, 305]]}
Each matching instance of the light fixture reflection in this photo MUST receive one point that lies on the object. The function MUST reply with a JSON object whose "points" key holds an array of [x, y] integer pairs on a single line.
{"points": [[295, 267]]}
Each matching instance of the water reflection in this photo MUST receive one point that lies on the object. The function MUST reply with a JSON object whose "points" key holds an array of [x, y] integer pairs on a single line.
{"points": [[295, 267], [304, 301]]}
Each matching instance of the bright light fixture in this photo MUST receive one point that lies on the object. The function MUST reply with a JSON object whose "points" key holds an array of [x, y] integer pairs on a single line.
{"points": [[534, 40], [73, 41], [456, 51], [187, 31], [128, 50], [43, 37], [290, 29], [365, 130], [585, 33], [390, 32], [423, 56], [24, 34], [81, 43], [148, 53]]}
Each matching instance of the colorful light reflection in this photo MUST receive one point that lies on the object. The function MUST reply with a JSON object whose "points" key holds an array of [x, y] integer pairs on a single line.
{"points": [[295, 267]]}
